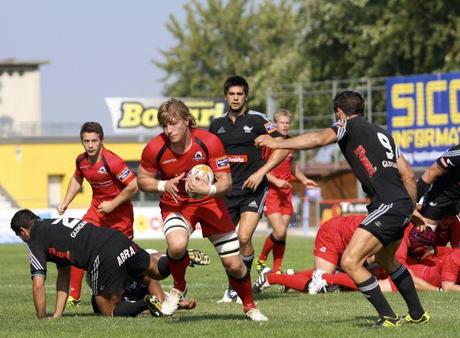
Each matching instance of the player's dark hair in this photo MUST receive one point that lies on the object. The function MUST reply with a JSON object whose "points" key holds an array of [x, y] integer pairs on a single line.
{"points": [[236, 80], [174, 108], [92, 127], [23, 219], [350, 102]]}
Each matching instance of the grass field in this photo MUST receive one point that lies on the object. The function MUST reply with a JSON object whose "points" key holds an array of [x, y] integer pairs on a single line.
{"points": [[291, 314]]}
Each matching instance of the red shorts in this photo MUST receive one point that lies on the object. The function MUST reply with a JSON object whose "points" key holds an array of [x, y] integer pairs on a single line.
{"points": [[121, 221], [279, 201], [328, 245], [210, 213]]}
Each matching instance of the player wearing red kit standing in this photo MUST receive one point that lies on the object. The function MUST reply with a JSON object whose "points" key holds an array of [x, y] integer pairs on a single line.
{"points": [[278, 206], [170, 156], [113, 185]]}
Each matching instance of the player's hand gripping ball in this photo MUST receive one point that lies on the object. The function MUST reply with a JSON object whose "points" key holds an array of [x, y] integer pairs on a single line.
{"points": [[202, 171]]}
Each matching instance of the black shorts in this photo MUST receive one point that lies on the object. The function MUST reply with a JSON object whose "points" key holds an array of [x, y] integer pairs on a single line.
{"points": [[119, 259], [388, 222], [252, 201], [437, 205]]}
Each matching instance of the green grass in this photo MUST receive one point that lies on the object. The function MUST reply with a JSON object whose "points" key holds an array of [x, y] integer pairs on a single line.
{"points": [[291, 314]]}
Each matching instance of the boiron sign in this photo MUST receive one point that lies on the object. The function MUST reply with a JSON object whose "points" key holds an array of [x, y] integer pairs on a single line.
{"points": [[424, 115], [135, 115]]}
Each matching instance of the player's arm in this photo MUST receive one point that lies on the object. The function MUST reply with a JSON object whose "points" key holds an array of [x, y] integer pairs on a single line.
{"points": [[297, 172], [39, 296], [428, 178], [147, 182], [407, 177], [125, 195], [278, 182], [450, 286], [308, 140], [421, 284], [62, 289], [73, 188]]}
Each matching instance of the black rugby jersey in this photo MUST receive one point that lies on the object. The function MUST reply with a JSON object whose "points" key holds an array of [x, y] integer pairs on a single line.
{"points": [[238, 139], [372, 155], [65, 241], [449, 183]]}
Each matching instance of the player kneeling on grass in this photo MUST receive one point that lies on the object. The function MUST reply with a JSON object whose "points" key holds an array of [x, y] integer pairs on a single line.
{"points": [[108, 256], [170, 156]]}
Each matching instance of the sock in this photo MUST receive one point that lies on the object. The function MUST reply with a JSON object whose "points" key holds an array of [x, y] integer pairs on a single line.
{"points": [[403, 281], [371, 290], [247, 260], [129, 309], [163, 267], [177, 268], [268, 245], [278, 253], [307, 273], [340, 279], [243, 288], [297, 281], [76, 276]]}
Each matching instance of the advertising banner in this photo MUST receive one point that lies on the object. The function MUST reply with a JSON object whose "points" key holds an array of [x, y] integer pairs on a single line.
{"points": [[135, 115], [424, 115]]}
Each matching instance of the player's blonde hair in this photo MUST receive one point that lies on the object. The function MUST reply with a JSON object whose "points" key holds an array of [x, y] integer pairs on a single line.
{"points": [[282, 112], [173, 109]]}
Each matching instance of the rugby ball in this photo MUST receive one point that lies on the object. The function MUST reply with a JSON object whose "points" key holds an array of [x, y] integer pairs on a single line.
{"points": [[204, 171]]}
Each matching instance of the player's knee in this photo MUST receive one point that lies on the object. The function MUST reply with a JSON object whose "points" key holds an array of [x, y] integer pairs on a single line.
{"points": [[280, 234], [177, 250], [348, 263]]}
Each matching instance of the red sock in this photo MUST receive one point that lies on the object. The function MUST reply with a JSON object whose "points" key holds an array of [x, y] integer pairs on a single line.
{"points": [[76, 276], [297, 281], [340, 279], [268, 246], [306, 273], [177, 268], [278, 253], [243, 288]]}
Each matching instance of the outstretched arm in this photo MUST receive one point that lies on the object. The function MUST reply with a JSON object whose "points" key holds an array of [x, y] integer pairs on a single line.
{"points": [[39, 296], [73, 188], [308, 140], [308, 183]]}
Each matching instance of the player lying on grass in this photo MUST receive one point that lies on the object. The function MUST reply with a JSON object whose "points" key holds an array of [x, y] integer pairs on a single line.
{"points": [[136, 290], [109, 257], [332, 238]]}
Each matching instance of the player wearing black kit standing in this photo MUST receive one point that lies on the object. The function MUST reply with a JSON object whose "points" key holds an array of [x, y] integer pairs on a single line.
{"points": [[237, 130], [389, 181], [107, 255]]}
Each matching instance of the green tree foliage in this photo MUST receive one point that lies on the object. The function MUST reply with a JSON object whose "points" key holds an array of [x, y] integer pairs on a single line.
{"points": [[285, 42]]}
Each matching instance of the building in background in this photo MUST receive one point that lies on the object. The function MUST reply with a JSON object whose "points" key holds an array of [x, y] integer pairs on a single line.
{"points": [[20, 97]]}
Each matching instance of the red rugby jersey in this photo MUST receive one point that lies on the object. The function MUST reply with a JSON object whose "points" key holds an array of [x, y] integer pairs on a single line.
{"points": [[159, 159], [106, 180], [283, 170]]}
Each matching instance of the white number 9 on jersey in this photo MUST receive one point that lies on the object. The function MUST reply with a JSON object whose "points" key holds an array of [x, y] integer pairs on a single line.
{"points": [[386, 144]]}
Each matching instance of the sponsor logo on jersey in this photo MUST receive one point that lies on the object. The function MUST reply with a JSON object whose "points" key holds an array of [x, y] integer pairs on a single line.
{"points": [[253, 204], [221, 130], [169, 161], [125, 254], [360, 152], [248, 129], [102, 170], [378, 224], [322, 249], [270, 127], [198, 156], [59, 254], [237, 158], [222, 162], [432, 204], [125, 173], [387, 164]]}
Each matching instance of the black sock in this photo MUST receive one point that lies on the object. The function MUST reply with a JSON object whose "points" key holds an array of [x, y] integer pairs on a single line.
{"points": [[129, 309], [279, 241], [247, 260], [371, 290], [163, 267], [405, 284]]}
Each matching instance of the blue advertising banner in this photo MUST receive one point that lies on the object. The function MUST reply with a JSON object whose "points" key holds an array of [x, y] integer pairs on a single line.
{"points": [[424, 115]]}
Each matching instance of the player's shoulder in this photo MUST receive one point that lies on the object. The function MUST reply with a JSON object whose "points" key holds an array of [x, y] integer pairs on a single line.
{"points": [[80, 158], [157, 142], [205, 136], [110, 155], [257, 115], [218, 121]]}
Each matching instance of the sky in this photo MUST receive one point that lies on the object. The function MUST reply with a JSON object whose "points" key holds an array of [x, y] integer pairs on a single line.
{"points": [[96, 49]]}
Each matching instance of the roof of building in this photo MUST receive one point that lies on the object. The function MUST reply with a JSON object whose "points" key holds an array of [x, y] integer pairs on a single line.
{"points": [[18, 63]]}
